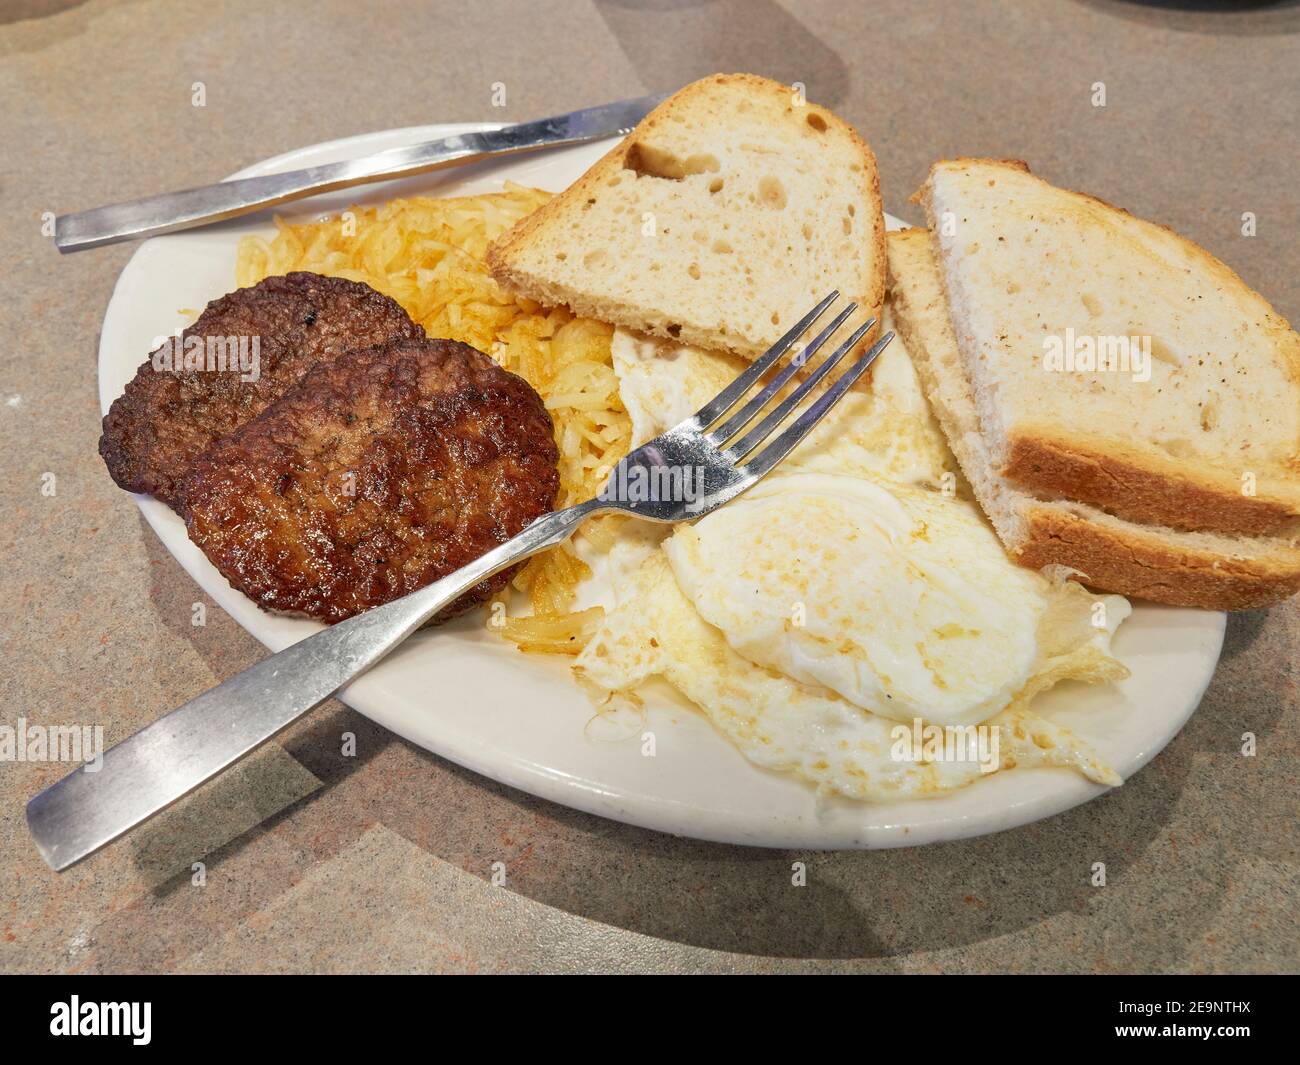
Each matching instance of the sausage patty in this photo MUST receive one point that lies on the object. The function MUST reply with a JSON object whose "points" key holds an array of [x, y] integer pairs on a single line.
{"points": [[379, 472], [168, 415]]}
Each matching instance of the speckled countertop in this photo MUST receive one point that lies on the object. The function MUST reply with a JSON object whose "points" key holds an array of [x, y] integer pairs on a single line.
{"points": [[383, 861]]}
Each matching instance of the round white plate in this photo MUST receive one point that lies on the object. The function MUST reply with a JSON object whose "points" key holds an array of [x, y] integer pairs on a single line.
{"points": [[467, 695]]}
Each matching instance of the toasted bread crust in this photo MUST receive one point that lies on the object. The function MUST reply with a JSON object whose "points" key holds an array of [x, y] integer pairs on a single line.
{"points": [[1140, 484], [501, 252], [1142, 488], [1144, 566], [1136, 561]]}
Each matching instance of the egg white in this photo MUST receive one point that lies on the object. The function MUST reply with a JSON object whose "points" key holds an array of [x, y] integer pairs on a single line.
{"points": [[882, 429], [854, 591], [782, 725]]}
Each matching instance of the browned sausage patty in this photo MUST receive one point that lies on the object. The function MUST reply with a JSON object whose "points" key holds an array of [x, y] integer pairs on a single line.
{"points": [[379, 472], [166, 416]]}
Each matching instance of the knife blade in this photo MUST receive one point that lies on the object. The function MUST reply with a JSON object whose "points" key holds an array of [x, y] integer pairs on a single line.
{"points": [[173, 211]]}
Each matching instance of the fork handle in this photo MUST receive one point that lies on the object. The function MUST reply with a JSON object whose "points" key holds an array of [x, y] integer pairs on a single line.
{"points": [[149, 771]]}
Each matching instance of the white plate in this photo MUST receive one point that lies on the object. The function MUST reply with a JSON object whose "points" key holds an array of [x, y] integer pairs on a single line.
{"points": [[469, 696]]}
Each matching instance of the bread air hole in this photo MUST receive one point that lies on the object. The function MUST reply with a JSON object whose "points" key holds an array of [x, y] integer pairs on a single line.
{"points": [[1209, 416], [1162, 352], [771, 193], [1091, 304], [715, 185], [721, 247], [816, 121], [647, 161], [595, 258], [694, 271]]}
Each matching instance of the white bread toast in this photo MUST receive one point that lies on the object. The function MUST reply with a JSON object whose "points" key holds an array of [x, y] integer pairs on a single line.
{"points": [[732, 209], [1114, 554], [1210, 442]]}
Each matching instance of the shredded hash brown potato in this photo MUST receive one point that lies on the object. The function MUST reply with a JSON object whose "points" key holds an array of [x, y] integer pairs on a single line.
{"points": [[428, 255]]}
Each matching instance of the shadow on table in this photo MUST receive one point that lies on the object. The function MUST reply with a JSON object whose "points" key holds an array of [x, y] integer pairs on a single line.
{"points": [[673, 42], [1234, 18], [17, 10], [876, 905]]}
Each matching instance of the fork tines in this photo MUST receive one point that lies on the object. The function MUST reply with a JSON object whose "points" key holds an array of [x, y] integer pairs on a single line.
{"points": [[726, 437]]}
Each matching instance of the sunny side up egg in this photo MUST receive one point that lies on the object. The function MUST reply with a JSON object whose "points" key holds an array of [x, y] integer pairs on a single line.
{"points": [[898, 599], [854, 589]]}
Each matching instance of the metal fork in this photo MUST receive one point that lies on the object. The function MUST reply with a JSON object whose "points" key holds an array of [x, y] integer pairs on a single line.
{"points": [[705, 461]]}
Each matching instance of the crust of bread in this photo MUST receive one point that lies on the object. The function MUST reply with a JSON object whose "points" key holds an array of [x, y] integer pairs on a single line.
{"points": [[501, 252], [1140, 484], [1111, 555], [1147, 566], [1142, 487]]}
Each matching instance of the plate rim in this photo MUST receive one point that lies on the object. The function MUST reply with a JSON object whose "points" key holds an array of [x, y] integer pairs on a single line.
{"points": [[368, 695]]}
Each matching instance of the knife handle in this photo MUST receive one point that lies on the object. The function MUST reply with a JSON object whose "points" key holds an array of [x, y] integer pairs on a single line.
{"points": [[147, 772]]}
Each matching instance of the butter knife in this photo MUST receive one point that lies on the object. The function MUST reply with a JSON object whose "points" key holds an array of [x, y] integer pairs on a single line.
{"points": [[174, 211]]}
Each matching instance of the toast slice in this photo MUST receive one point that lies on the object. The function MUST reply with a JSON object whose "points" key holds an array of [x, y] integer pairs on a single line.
{"points": [[1041, 282], [728, 212], [1110, 553]]}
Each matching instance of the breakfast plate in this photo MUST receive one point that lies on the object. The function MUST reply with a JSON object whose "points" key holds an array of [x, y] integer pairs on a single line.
{"points": [[462, 692]]}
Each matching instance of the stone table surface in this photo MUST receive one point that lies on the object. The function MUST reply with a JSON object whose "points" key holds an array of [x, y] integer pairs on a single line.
{"points": [[383, 862]]}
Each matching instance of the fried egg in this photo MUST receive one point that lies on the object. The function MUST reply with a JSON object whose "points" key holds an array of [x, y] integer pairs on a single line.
{"points": [[855, 592], [899, 600], [882, 429], [783, 725]]}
